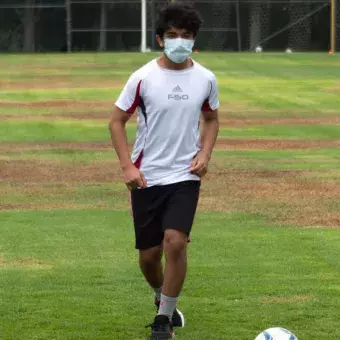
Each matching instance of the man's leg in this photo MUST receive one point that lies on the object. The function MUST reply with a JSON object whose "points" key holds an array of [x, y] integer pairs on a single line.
{"points": [[175, 246], [147, 209], [150, 262], [176, 213], [177, 224]]}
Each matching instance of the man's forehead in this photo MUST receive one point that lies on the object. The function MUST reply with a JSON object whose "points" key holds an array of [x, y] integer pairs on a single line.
{"points": [[176, 30]]}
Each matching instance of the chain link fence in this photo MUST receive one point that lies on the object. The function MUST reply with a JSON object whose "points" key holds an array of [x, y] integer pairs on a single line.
{"points": [[115, 25]]}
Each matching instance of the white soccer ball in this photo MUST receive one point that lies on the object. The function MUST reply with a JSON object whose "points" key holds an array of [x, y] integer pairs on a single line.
{"points": [[258, 49], [276, 333], [288, 50]]}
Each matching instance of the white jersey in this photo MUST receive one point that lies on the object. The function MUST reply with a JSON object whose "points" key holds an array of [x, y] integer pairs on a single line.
{"points": [[169, 107]]}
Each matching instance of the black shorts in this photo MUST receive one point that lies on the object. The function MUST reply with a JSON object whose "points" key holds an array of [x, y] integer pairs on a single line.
{"points": [[158, 208]]}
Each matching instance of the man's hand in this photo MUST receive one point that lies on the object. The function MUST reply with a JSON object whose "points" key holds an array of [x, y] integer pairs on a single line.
{"points": [[199, 165], [134, 178]]}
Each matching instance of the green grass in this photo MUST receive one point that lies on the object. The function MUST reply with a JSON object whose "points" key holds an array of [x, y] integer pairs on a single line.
{"points": [[78, 94], [293, 132], [59, 154], [73, 273], [57, 131], [47, 110], [319, 159], [86, 130], [309, 159], [60, 194], [272, 82], [69, 275]]}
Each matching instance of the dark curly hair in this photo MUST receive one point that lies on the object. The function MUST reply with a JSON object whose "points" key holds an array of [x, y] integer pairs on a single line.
{"points": [[177, 15]]}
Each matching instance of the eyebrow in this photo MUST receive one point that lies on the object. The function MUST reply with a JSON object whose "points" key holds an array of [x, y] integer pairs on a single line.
{"points": [[174, 32]]}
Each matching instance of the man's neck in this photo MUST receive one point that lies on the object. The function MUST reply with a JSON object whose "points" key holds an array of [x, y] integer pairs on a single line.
{"points": [[166, 63]]}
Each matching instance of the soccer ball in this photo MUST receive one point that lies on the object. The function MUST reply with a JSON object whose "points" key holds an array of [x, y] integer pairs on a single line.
{"points": [[276, 333], [258, 49], [288, 50]]}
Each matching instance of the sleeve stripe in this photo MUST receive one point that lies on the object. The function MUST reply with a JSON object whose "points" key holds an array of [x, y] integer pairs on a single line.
{"points": [[211, 87], [138, 161], [137, 99], [206, 106]]}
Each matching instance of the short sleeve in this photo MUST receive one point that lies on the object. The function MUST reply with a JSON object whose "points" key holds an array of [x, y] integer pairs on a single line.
{"points": [[211, 103], [130, 96]]}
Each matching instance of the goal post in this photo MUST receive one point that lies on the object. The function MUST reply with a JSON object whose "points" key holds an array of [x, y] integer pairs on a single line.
{"points": [[144, 26], [334, 23]]}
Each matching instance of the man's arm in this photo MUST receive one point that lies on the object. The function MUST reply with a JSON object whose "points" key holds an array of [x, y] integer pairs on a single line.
{"points": [[133, 178], [209, 134], [117, 128]]}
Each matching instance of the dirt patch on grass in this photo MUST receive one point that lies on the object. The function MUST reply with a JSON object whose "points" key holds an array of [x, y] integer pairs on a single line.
{"points": [[53, 171], [222, 144], [273, 144], [103, 115], [224, 121], [81, 116], [59, 82], [68, 105], [286, 299], [239, 122], [35, 206], [285, 197], [52, 195], [61, 66], [25, 263], [54, 81], [24, 146], [335, 89]]}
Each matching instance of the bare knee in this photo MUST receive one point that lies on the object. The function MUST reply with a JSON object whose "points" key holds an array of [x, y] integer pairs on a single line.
{"points": [[175, 243]]}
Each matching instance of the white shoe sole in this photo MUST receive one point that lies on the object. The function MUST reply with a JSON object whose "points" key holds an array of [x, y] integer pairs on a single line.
{"points": [[182, 317]]}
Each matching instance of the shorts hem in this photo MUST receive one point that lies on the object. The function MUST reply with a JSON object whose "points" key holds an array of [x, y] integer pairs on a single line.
{"points": [[146, 247], [183, 230]]}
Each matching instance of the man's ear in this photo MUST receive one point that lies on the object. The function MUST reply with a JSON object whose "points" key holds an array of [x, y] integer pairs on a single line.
{"points": [[160, 41]]}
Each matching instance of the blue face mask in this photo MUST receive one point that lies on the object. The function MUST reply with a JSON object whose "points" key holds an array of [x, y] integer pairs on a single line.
{"points": [[178, 50]]}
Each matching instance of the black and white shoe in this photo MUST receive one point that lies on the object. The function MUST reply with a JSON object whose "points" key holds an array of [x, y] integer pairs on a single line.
{"points": [[177, 319], [161, 328]]}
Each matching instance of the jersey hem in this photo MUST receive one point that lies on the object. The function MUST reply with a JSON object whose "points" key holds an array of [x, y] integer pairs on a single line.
{"points": [[169, 180]]}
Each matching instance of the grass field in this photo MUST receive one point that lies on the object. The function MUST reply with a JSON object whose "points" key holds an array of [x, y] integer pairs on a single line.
{"points": [[265, 245]]}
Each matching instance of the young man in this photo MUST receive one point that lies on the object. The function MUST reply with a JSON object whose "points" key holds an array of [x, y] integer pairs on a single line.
{"points": [[169, 157]]}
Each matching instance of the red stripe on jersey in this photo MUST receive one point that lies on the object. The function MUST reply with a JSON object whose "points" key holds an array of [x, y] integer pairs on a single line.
{"points": [[137, 99], [206, 106], [138, 162]]}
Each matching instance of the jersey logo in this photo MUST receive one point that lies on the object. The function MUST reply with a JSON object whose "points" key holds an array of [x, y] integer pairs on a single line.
{"points": [[178, 97], [176, 94], [177, 89]]}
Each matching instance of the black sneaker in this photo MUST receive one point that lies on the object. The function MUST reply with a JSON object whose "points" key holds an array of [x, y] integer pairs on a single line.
{"points": [[161, 328], [177, 319]]}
